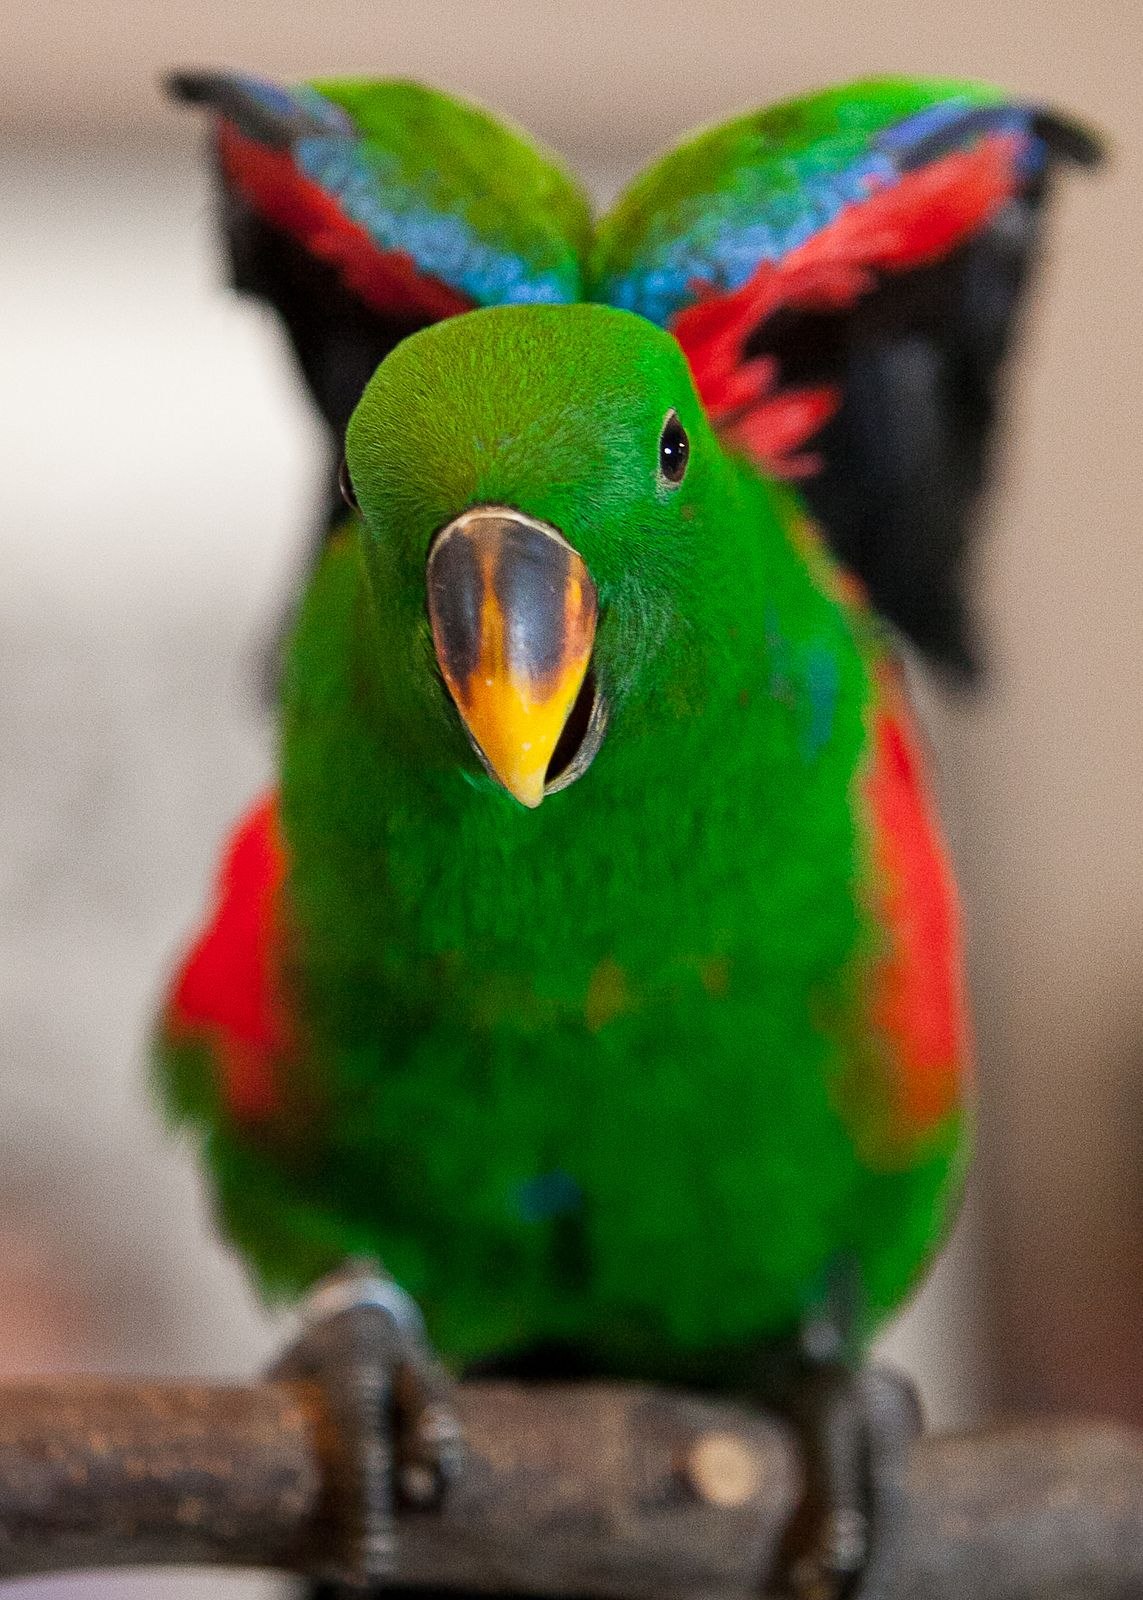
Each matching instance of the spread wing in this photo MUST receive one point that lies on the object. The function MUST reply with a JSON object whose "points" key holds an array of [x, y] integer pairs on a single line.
{"points": [[843, 273], [363, 210]]}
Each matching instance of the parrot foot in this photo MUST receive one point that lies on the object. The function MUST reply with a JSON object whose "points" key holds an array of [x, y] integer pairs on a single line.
{"points": [[398, 1442], [843, 1540]]}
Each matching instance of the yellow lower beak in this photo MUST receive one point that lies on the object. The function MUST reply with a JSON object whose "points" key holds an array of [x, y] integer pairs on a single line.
{"points": [[513, 612]]}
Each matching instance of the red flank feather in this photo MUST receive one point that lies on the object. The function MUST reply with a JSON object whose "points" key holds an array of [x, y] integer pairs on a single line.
{"points": [[227, 990], [917, 999]]}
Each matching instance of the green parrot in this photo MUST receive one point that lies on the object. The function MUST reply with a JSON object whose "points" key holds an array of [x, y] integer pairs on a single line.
{"points": [[594, 965]]}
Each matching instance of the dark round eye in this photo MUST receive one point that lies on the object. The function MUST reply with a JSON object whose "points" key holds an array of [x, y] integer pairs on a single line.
{"points": [[345, 484], [674, 448]]}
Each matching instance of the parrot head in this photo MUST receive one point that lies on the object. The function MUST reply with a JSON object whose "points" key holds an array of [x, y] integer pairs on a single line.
{"points": [[530, 481]]}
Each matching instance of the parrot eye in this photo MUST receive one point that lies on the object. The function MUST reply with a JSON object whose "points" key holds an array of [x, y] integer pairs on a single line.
{"points": [[674, 448], [345, 484]]}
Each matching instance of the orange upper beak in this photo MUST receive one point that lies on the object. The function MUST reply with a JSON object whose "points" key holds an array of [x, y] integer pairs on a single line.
{"points": [[513, 612]]}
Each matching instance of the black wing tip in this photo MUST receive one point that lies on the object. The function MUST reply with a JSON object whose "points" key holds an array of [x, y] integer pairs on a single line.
{"points": [[260, 108], [1070, 140], [957, 664], [944, 636], [193, 87]]}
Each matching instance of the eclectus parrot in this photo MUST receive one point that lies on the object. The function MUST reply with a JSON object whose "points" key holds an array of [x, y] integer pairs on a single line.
{"points": [[594, 966]]}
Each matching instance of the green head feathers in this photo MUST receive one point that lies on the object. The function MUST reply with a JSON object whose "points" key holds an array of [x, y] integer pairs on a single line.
{"points": [[583, 421]]}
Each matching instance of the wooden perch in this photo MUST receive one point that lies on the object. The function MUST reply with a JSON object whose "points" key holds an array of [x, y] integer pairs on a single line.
{"points": [[586, 1491]]}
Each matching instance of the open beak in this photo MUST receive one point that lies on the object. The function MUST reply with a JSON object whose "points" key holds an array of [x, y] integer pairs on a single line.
{"points": [[513, 612]]}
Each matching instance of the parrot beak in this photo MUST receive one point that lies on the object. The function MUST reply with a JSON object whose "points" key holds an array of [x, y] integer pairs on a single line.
{"points": [[513, 612]]}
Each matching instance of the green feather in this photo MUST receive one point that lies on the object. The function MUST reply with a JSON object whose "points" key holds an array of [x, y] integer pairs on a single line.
{"points": [[576, 1073], [517, 223], [771, 172]]}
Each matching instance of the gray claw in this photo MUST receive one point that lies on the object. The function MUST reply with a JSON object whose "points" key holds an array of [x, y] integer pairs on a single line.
{"points": [[398, 1442], [844, 1539]]}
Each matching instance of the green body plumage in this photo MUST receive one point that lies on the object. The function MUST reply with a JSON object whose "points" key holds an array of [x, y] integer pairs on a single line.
{"points": [[604, 1072], [659, 1066]]}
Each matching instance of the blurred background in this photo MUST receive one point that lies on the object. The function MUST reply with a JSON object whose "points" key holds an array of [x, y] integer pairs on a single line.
{"points": [[159, 485]]}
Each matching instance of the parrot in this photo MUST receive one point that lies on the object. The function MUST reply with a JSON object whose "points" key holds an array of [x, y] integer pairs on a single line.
{"points": [[588, 993]]}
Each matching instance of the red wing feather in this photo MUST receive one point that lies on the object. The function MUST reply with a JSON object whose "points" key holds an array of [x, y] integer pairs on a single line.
{"points": [[386, 280], [918, 219]]}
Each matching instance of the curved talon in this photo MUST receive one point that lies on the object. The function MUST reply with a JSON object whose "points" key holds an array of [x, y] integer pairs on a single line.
{"points": [[428, 1443]]}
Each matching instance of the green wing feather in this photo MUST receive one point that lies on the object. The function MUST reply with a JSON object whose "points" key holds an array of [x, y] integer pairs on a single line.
{"points": [[374, 175]]}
